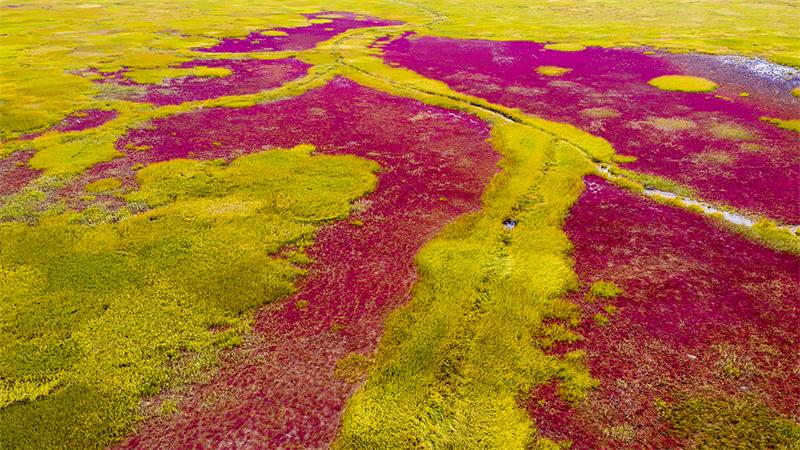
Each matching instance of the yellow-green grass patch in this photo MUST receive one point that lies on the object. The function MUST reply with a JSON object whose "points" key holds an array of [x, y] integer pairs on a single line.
{"points": [[552, 71], [455, 361], [565, 47], [102, 308], [683, 83], [786, 124], [731, 131], [600, 112], [104, 185], [159, 75]]}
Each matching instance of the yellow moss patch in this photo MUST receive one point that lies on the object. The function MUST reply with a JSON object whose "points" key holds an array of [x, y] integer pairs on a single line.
{"points": [[352, 367], [159, 75], [751, 147], [101, 308], [605, 289], [565, 47], [455, 360], [104, 185], [552, 71], [796, 91], [786, 124], [731, 131], [714, 158], [62, 155], [683, 83], [600, 113], [273, 33]]}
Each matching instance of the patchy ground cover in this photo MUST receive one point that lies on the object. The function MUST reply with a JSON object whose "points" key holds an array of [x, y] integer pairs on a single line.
{"points": [[324, 26], [15, 173], [101, 308], [282, 387], [215, 78], [713, 142], [696, 345], [209, 220]]}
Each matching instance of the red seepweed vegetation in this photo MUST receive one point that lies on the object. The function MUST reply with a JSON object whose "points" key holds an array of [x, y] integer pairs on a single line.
{"points": [[704, 314], [712, 142], [280, 387]]}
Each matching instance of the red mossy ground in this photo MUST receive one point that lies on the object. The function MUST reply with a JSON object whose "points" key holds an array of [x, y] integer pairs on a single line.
{"points": [[15, 173], [697, 301], [78, 121], [248, 76], [86, 119], [300, 38], [761, 177], [279, 388]]}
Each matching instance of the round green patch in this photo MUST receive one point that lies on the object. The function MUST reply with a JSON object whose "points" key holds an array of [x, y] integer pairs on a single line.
{"points": [[565, 47], [600, 112], [552, 71], [683, 83], [269, 33], [104, 185]]}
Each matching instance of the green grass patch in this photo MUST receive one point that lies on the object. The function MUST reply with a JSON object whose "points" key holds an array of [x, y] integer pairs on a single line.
{"points": [[552, 71], [683, 83], [605, 289], [159, 75], [600, 112], [731, 131], [104, 185], [101, 308], [454, 363], [565, 47], [786, 124], [730, 423]]}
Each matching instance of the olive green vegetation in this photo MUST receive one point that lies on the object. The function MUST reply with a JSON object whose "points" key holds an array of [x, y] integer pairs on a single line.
{"points": [[100, 308], [600, 112], [786, 124], [671, 123], [158, 75], [683, 83], [552, 71], [605, 289], [730, 423], [62, 36], [731, 132], [103, 307], [352, 367], [455, 362], [565, 47], [104, 185]]}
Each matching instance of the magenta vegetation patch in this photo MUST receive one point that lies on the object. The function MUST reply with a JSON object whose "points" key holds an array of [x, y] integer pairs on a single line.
{"points": [[300, 38], [15, 173], [86, 119], [280, 389], [703, 314], [713, 142], [248, 76], [79, 121]]}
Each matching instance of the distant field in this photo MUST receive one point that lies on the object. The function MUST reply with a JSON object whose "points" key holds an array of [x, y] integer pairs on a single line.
{"points": [[391, 224]]}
